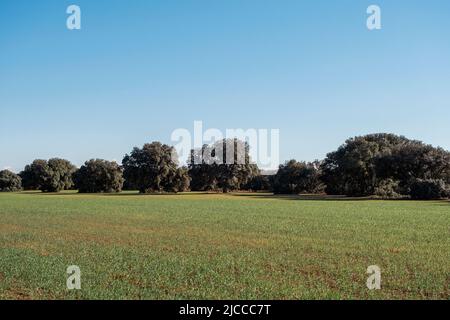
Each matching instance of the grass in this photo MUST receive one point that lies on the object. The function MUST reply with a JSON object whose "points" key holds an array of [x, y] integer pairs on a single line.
{"points": [[207, 246]]}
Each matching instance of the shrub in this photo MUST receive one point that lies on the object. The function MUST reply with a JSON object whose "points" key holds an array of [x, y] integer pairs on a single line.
{"points": [[429, 189], [388, 189]]}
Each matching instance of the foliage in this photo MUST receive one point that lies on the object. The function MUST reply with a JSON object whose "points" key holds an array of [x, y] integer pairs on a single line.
{"points": [[351, 169], [359, 167], [9, 181], [297, 177], [223, 166], [53, 175], [388, 189], [414, 160], [429, 189], [259, 183], [383, 165], [99, 176], [154, 169]]}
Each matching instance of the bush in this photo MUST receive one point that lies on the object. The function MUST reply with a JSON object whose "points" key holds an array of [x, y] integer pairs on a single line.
{"points": [[9, 181], [429, 189], [388, 189], [99, 176]]}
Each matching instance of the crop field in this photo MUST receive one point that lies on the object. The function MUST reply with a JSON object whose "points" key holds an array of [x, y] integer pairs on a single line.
{"points": [[212, 246]]}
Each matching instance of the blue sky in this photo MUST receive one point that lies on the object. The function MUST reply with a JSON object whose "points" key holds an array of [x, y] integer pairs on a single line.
{"points": [[137, 70]]}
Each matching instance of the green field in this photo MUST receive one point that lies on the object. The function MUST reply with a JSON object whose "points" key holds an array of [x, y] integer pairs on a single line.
{"points": [[211, 246]]}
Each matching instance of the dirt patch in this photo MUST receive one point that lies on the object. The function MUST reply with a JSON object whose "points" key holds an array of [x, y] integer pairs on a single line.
{"points": [[15, 293]]}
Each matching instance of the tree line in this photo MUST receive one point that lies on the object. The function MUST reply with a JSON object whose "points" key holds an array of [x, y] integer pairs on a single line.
{"points": [[383, 165]]}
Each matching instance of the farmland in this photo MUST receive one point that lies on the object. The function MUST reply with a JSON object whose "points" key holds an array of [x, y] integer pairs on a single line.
{"points": [[214, 246]]}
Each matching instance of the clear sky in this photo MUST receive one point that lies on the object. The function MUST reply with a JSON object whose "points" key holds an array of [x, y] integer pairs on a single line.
{"points": [[137, 70]]}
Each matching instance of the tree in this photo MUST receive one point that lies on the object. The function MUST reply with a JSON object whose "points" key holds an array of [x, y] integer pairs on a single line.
{"points": [[9, 181], [99, 176], [259, 183], [383, 164], [34, 174], [223, 166], [202, 176], [178, 180], [297, 177], [351, 170], [53, 175], [154, 169], [411, 161], [60, 175]]}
